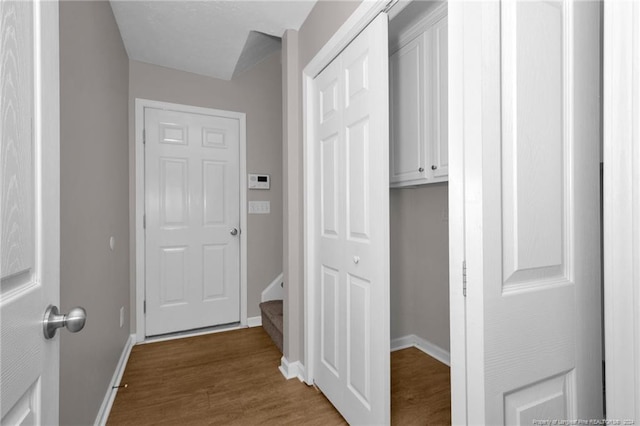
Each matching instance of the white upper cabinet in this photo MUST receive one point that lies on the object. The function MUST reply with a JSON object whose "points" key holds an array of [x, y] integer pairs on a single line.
{"points": [[438, 117], [418, 84], [408, 153]]}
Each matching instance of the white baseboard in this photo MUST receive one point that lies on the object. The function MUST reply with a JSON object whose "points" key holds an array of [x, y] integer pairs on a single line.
{"points": [[403, 342], [110, 395], [274, 291], [254, 321], [292, 370], [424, 345]]}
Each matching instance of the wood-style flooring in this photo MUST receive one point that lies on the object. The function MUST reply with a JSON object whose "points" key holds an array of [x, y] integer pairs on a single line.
{"points": [[420, 389], [232, 378]]}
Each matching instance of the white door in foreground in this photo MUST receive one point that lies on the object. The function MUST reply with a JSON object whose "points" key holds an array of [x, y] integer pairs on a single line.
{"points": [[192, 195], [531, 138], [30, 211], [351, 231]]}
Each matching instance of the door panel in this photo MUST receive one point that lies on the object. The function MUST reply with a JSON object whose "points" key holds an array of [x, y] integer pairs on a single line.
{"points": [[26, 411], [531, 173], [357, 200], [174, 275], [359, 339], [550, 397], [407, 74], [192, 203], [330, 315], [439, 36], [213, 190], [214, 271], [534, 162], [29, 210], [329, 189], [352, 231], [174, 207], [329, 320]]}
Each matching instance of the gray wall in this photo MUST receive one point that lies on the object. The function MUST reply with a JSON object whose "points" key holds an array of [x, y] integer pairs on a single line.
{"points": [[258, 93], [420, 263], [292, 250], [94, 203], [324, 20]]}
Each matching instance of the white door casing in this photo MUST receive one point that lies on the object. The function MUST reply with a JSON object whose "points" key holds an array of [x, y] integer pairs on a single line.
{"points": [[460, 24], [30, 236], [350, 232], [621, 156], [525, 126], [192, 205]]}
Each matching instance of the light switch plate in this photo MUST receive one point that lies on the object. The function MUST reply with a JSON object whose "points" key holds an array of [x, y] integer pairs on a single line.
{"points": [[259, 207]]}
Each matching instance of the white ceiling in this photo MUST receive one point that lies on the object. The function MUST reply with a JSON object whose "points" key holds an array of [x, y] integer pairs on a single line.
{"points": [[208, 37]]}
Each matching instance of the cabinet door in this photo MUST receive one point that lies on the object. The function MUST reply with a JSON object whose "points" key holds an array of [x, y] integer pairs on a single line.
{"points": [[438, 101], [407, 75]]}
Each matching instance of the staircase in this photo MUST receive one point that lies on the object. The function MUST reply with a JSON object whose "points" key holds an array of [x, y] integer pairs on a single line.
{"points": [[272, 320]]}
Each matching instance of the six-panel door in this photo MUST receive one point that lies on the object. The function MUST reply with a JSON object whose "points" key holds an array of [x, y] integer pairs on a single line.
{"points": [[351, 279], [192, 206], [532, 211], [30, 211]]}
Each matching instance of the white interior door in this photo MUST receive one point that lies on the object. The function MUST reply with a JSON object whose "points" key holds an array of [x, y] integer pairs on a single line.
{"points": [[351, 232], [530, 137], [192, 220], [30, 236]]}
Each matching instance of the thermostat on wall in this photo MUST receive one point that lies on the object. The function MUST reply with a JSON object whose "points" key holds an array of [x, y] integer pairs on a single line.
{"points": [[259, 181]]}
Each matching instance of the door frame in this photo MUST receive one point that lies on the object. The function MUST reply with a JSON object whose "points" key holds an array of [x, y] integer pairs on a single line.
{"points": [[358, 21], [457, 21], [140, 244], [621, 202]]}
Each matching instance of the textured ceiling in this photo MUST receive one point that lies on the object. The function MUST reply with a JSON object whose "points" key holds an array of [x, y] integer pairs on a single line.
{"points": [[210, 37]]}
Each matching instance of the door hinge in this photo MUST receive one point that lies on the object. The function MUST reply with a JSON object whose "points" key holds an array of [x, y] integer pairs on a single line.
{"points": [[144, 307], [464, 278], [144, 136], [144, 221]]}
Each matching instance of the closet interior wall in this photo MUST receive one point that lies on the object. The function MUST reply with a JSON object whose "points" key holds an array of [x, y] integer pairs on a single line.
{"points": [[420, 263]]}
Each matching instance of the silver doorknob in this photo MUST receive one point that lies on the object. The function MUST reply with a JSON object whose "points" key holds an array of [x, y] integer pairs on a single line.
{"points": [[234, 231], [74, 320], [356, 259]]}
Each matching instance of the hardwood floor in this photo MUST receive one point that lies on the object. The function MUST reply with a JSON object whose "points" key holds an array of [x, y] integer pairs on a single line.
{"points": [[231, 378], [420, 389]]}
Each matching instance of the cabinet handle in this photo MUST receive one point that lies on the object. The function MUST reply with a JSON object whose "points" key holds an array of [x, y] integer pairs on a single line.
{"points": [[421, 169], [434, 167]]}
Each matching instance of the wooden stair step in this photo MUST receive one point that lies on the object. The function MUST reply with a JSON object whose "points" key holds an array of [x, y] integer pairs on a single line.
{"points": [[272, 321]]}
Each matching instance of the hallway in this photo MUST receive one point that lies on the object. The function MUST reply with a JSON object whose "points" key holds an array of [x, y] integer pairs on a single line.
{"points": [[232, 378]]}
